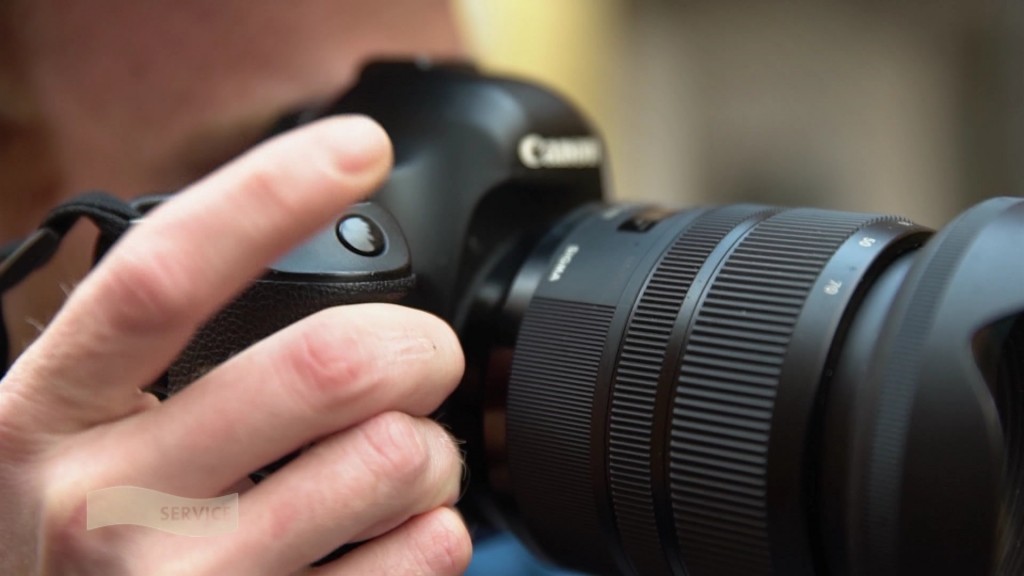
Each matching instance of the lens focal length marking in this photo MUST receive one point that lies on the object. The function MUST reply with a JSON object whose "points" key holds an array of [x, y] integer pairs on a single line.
{"points": [[819, 335]]}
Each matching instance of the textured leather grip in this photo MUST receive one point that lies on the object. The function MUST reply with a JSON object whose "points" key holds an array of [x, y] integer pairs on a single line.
{"points": [[266, 307]]}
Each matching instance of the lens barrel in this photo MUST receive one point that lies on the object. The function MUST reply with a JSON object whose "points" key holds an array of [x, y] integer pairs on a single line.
{"points": [[669, 405], [923, 428]]}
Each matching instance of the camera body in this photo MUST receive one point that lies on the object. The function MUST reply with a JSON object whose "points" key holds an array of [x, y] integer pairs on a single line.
{"points": [[480, 165], [484, 169]]}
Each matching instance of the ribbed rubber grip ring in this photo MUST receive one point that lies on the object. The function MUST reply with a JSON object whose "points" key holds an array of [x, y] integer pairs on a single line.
{"points": [[550, 405], [728, 379], [634, 395]]}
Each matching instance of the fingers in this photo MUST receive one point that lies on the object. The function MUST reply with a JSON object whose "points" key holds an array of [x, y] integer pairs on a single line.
{"points": [[434, 544], [129, 318], [359, 483], [326, 373]]}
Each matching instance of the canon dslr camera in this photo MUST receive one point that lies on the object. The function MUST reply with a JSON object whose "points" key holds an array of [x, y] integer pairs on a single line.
{"points": [[734, 390]]}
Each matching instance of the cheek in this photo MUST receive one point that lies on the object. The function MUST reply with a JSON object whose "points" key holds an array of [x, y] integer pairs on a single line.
{"points": [[168, 87]]}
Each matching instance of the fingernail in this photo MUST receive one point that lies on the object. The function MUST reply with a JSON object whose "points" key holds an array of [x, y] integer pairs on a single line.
{"points": [[407, 347]]}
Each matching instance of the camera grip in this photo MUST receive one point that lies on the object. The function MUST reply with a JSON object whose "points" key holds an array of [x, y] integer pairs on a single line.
{"points": [[266, 307], [334, 267]]}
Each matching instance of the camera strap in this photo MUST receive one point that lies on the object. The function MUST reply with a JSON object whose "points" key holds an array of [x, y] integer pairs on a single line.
{"points": [[110, 214]]}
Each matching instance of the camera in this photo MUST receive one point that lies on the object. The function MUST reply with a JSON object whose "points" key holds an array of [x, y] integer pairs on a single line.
{"points": [[723, 390]]}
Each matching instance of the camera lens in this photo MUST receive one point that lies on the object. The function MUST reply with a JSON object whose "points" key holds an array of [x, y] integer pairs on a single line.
{"points": [[1009, 396], [752, 390]]}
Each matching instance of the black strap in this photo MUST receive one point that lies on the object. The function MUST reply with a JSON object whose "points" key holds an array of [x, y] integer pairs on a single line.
{"points": [[110, 214]]}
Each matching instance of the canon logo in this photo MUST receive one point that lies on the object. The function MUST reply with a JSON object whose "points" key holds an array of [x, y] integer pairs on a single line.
{"points": [[536, 151]]}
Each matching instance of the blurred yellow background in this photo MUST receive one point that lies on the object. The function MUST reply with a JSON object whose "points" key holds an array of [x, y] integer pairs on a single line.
{"points": [[911, 108]]}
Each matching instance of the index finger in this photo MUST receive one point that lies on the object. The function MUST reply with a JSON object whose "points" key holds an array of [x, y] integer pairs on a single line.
{"points": [[130, 317]]}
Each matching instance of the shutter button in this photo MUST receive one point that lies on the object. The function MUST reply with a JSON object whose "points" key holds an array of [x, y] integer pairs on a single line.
{"points": [[361, 235]]}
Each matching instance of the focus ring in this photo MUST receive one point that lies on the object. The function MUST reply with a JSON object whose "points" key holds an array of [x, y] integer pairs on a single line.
{"points": [[636, 383], [728, 378], [550, 402]]}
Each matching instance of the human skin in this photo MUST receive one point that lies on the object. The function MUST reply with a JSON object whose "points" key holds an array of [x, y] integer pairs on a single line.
{"points": [[135, 97], [141, 97]]}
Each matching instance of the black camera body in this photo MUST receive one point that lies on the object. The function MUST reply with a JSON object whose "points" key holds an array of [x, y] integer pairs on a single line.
{"points": [[484, 167], [480, 164]]}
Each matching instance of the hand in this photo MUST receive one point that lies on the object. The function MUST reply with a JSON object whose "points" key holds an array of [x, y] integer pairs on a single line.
{"points": [[357, 380]]}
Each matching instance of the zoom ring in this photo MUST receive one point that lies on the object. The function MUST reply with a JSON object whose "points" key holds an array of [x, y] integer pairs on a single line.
{"points": [[728, 378], [636, 384]]}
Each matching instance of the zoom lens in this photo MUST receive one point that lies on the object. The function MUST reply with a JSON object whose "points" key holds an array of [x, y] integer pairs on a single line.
{"points": [[1009, 395], [754, 390]]}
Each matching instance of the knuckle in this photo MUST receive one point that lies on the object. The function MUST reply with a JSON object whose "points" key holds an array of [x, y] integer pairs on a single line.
{"points": [[264, 184], [64, 528], [150, 291], [329, 369], [442, 545], [395, 449]]}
